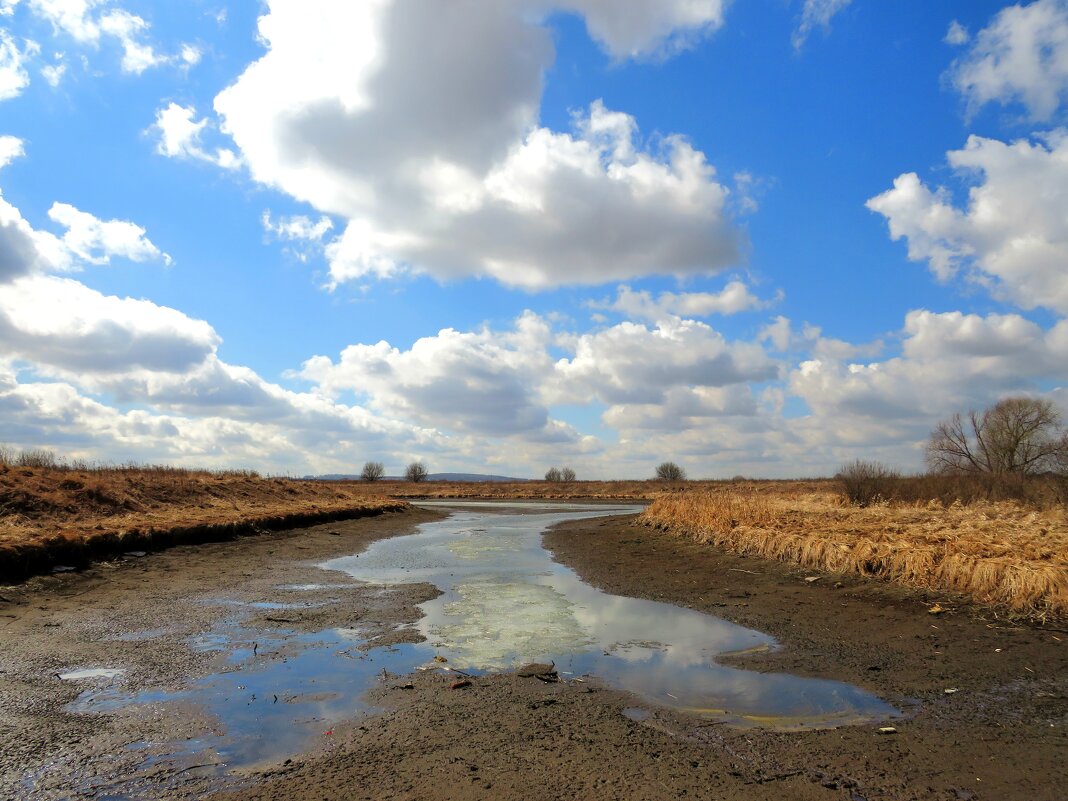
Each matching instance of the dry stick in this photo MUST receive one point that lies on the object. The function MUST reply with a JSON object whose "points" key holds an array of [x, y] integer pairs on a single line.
{"points": [[739, 570]]}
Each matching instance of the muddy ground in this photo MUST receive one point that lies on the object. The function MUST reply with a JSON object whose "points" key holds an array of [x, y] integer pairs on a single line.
{"points": [[1001, 735]]}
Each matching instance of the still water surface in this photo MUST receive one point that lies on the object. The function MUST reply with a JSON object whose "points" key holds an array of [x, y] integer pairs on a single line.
{"points": [[504, 602]]}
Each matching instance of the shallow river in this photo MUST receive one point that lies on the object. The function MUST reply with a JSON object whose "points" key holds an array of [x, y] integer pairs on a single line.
{"points": [[504, 602]]}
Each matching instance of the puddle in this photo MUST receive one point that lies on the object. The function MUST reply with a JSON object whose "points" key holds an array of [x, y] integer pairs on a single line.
{"points": [[274, 706], [504, 602]]}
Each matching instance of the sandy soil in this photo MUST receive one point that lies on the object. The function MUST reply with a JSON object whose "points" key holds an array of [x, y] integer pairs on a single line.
{"points": [[1002, 735]]}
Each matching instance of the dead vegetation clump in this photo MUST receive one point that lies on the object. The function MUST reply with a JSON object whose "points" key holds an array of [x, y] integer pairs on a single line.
{"points": [[53, 515], [1000, 553]]}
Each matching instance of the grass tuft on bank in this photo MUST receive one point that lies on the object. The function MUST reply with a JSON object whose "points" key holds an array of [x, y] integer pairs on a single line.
{"points": [[1002, 554]]}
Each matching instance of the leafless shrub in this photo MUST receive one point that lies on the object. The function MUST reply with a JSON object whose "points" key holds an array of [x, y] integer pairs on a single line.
{"points": [[416, 471], [567, 475], [866, 483], [372, 471], [37, 457], [669, 471], [554, 475]]}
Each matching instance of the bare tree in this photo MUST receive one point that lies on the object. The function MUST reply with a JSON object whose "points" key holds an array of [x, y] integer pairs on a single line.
{"points": [[1016, 435], [567, 475], [669, 471], [416, 471], [372, 471], [554, 475]]}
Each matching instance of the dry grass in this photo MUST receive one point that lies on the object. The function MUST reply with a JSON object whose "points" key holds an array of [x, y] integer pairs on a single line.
{"points": [[573, 490], [50, 515], [1001, 554], [523, 490]]}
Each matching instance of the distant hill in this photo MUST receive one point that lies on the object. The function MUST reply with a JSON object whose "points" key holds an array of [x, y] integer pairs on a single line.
{"points": [[431, 477]]}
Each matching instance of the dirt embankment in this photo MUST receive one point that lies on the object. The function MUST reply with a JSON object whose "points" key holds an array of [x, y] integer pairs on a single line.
{"points": [[62, 517]]}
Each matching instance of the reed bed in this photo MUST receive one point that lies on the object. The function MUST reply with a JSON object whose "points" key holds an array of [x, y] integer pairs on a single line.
{"points": [[1001, 554]]}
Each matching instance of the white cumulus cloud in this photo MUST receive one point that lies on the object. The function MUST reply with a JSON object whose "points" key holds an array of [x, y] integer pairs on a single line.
{"points": [[1013, 234], [180, 134], [734, 298], [1021, 56], [632, 363], [62, 324], [94, 241], [483, 382], [417, 123]]}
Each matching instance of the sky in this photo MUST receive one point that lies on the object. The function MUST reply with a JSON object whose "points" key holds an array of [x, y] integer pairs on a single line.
{"points": [[753, 237]]}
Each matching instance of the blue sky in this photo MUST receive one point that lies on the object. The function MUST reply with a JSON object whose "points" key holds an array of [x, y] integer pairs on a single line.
{"points": [[759, 237]]}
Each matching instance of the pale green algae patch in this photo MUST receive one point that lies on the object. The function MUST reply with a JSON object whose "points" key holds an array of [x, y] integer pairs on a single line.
{"points": [[498, 623]]}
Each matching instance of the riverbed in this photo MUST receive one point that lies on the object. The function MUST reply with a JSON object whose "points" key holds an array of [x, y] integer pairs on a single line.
{"points": [[210, 667]]}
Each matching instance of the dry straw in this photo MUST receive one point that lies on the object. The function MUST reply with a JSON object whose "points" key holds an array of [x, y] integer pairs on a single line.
{"points": [[1001, 554]]}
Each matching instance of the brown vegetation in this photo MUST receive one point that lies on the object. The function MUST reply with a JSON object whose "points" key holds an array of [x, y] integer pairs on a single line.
{"points": [[1000, 553], [53, 515]]}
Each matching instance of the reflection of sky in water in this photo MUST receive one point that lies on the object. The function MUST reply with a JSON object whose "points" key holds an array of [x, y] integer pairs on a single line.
{"points": [[506, 602], [270, 707]]}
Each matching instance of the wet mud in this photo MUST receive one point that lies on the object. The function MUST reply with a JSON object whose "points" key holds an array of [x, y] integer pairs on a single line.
{"points": [[239, 613]]}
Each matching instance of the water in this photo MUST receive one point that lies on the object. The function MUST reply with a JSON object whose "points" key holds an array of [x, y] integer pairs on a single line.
{"points": [[504, 602]]}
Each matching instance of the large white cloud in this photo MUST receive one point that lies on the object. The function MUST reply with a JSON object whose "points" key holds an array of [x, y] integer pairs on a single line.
{"points": [[61, 341], [417, 123], [949, 362], [482, 382], [492, 383], [1013, 234], [60, 323], [59, 415], [1021, 56], [634, 364]]}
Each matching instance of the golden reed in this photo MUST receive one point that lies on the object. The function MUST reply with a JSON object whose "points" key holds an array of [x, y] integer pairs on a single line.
{"points": [[1000, 554]]}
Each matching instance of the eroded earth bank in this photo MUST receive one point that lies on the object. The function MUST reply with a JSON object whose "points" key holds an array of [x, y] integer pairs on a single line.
{"points": [[239, 623]]}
